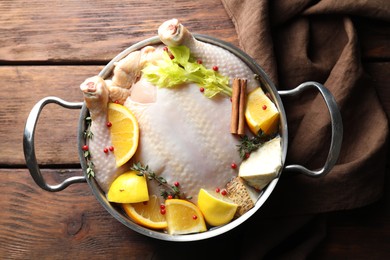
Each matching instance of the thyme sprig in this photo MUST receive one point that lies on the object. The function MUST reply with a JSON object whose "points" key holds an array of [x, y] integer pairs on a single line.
{"points": [[168, 190], [90, 169], [87, 154], [250, 144], [88, 133]]}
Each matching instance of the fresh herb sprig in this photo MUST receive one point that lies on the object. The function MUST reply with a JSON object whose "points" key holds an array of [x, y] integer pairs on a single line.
{"points": [[90, 169], [87, 154], [88, 133], [250, 144], [168, 190]]}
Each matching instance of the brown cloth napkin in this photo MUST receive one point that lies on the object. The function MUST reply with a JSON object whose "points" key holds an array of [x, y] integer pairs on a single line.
{"points": [[302, 40], [298, 41]]}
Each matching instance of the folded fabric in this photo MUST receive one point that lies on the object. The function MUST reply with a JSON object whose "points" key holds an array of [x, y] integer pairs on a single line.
{"points": [[302, 40]]}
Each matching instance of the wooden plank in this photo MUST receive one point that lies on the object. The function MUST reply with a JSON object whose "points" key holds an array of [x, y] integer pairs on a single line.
{"points": [[57, 129], [71, 30], [65, 31], [360, 234], [56, 132], [71, 224]]}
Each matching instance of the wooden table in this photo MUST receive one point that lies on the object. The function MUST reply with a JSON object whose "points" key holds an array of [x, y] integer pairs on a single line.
{"points": [[47, 48]]}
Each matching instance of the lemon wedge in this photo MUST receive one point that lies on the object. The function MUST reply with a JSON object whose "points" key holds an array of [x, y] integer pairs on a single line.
{"points": [[128, 188], [147, 213], [183, 217], [124, 132], [261, 113], [216, 209]]}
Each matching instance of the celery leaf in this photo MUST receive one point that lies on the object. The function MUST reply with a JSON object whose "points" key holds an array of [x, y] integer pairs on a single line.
{"points": [[181, 69]]}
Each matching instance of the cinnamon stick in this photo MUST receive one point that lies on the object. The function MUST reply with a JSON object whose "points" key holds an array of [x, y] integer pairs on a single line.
{"points": [[235, 106], [237, 125], [241, 111]]}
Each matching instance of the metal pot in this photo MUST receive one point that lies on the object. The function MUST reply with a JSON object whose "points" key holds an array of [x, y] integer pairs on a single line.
{"points": [[116, 212]]}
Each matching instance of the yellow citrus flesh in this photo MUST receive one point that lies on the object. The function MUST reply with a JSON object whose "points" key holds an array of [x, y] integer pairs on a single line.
{"points": [[183, 217], [261, 113], [124, 132], [216, 208], [128, 188], [147, 213]]}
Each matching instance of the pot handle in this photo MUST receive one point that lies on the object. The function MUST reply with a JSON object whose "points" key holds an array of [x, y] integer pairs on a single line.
{"points": [[29, 149], [336, 124]]}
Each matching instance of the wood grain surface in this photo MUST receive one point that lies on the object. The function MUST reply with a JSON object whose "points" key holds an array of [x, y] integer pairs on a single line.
{"points": [[94, 31], [47, 48]]}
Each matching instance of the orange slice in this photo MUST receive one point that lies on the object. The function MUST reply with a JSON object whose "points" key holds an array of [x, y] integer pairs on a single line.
{"points": [[261, 113], [124, 132], [147, 213], [183, 217]]}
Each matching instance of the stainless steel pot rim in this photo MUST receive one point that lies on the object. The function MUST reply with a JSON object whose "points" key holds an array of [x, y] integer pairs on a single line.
{"points": [[216, 231], [116, 211]]}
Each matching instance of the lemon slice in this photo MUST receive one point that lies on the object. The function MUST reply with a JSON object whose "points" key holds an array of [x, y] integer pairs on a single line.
{"points": [[124, 132], [261, 113], [183, 217], [128, 188], [216, 209], [147, 213]]}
